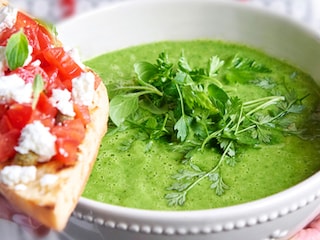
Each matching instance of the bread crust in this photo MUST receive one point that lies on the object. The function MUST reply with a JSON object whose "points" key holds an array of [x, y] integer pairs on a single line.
{"points": [[52, 205]]}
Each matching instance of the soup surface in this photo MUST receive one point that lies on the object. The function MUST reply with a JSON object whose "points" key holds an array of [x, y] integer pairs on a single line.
{"points": [[132, 172]]}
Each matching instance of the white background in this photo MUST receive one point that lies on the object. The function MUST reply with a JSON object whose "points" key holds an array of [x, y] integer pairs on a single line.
{"points": [[307, 11]]}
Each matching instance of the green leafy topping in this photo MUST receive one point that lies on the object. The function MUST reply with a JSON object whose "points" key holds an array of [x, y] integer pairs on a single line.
{"points": [[37, 87], [17, 50], [192, 110]]}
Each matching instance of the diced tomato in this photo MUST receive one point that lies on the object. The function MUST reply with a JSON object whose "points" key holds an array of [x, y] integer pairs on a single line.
{"points": [[70, 129], [22, 21], [53, 80], [67, 67], [82, 113], [8, 141], [45, 107], [45, 38], [19, 115], [3, 109], [39, 38], [69, 136], [66, 151], [28, 73], [5, 124]]}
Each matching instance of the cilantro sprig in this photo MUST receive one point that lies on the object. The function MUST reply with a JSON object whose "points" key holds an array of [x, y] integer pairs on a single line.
{"points": [[192, 110]]}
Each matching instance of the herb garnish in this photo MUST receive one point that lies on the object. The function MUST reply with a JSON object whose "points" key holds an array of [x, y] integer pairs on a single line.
{"points": [[37, 87], [17, 50], [192, 110]]}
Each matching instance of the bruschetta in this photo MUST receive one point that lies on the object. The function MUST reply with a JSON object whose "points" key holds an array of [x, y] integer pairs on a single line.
{"points": [[53, 115]]}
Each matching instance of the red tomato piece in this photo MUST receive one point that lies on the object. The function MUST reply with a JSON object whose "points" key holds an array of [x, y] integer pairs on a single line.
{"points": [[3, 109], [45, 107], [67, 67], [22, 21], [5, 125], [28, 73], [8, 141], [53, 80], [19, 115], [82, 113], [70, 129], [66, 151], [39, 38]]}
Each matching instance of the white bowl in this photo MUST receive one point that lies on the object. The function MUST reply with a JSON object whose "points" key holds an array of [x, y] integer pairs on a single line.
{"points": [[136, 22]]}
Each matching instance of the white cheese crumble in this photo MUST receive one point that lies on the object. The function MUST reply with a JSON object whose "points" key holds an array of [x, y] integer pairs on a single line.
{"points": [[48, 180], [83, 89], [74, 54], [37, 138], [13, 87], [20, 187], [8, 16], [15, 175], [61, 99]]}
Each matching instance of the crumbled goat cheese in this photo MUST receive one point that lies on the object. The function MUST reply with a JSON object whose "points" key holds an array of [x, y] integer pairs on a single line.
{"points": [[48, 180], [61, 99], [8, 16], [20, 187], [37, 138], [74, 54], [36, 63], [83, 89], [13, 87], [15, 174]]}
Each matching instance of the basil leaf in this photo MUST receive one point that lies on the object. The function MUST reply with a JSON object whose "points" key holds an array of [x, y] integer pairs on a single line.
{"points": [[17, 50], [145, 71], [122, 106], [37, 87]]}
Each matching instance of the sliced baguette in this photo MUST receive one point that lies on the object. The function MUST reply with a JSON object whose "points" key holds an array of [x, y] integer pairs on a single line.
{"points": [[53, 205]]}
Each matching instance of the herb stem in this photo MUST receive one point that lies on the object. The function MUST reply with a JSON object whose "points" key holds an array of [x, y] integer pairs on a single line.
{"points": [[148, 89], [181, 99], [273, 100], [214, 169]]}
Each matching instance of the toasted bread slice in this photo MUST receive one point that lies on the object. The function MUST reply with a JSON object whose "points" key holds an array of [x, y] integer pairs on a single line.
{"points": [[53, 205]]}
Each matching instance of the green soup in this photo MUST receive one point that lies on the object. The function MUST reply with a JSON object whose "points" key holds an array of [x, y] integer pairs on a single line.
{"points": [[126, 174]]}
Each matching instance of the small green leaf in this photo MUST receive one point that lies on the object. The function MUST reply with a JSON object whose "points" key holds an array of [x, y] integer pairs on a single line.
{"points": [[17, 50], [184, 65], [182, 127], [145, 71], [176, 199], [37, 87], [214, 65], [122, 106]]}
